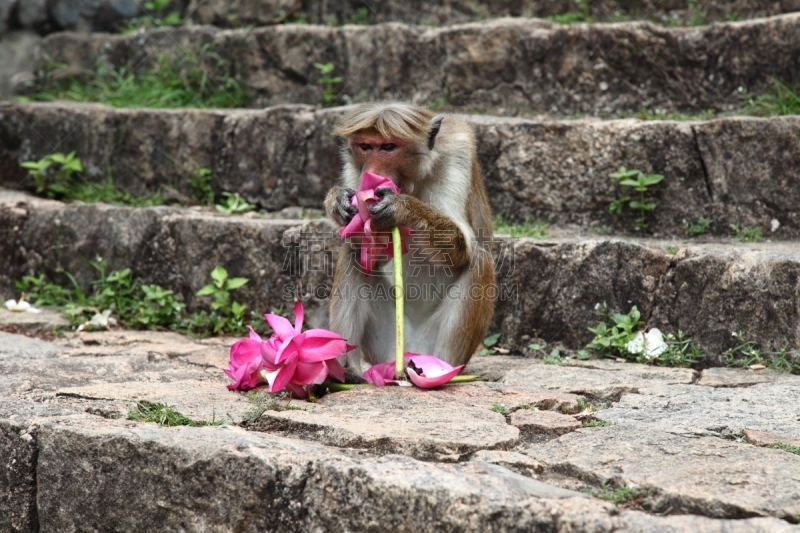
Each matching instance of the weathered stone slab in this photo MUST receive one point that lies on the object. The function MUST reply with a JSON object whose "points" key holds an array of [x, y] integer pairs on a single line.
{"points": [[741, 377], [440, 12], [767, 438], [539, 426], [19, 347], [495, 367], [427, 425], [46, 320], [705, 475], [507, 66], [705, 411], [17, 478], [200, 401], [638, 522], [195, 479], [598, 382], [555, 171]]}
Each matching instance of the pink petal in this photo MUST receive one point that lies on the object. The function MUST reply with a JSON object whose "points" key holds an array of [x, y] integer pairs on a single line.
{"points": [[287, 350], [253, 335], [297, 391], [355, 227], [299, 314], [269, 352], [372, 181], [335, 369], [284, 375], [427, 371], [429, 383], [378, 375], [245, 351], [310, 373], [282, 327], [314, 349]]}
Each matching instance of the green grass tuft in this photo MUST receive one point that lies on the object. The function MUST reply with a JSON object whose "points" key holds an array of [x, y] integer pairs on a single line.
{"points": [[165, 416]]}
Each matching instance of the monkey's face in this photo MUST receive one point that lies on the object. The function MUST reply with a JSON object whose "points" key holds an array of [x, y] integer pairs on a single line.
{"points": [[385, 157]]}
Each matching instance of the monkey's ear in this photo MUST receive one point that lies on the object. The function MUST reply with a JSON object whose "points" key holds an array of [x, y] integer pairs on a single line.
{"points": [[436, 124]]}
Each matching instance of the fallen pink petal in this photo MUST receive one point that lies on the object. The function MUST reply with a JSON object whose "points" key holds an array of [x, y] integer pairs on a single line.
{"points": [[427, 371], [379, 374]]}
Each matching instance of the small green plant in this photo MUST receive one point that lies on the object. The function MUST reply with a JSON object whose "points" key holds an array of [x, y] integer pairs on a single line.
{"points": [[489, 343], [328, 82], [266, 402], [596, 423], [155, 17], [300, 18], [499, 408], [698, 15], [165, 416], [613, 333], [745, 234], [787, 447], [671, 250], [645, 113], [747, 353], [699, 227], [234, 204], [229, 314], [619, 495], [680, 352], [641, 184], [53, 183], [584, 14], [200, 183], [362, 17], [159, 308], [780, 99], [530, 228], [554, 358], [203, 81]]}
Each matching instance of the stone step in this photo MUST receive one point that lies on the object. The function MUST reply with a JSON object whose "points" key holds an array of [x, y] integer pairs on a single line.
{"points": [[70, 15], [229, 13], [506, 66], [353, 460], [546, 289], [734, 171]]}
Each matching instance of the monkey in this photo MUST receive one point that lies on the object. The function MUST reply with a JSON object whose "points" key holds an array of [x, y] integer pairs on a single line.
{"points": [[433, 160]]}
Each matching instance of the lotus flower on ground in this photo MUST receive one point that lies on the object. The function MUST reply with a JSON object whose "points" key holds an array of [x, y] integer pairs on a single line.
{"points": [[424, 371], [21, 306], [290, 360], [374, 244]]}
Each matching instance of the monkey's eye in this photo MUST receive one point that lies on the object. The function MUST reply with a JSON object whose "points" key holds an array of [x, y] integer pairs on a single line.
{"points": [[365, 147], [388, 147]]}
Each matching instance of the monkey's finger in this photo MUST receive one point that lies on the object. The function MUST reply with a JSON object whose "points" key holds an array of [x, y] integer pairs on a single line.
{"points": [[383, 192]]}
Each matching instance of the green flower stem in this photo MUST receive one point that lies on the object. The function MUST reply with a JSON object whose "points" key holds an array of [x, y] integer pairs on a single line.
{"points": [[399, 313], [465, 378]]}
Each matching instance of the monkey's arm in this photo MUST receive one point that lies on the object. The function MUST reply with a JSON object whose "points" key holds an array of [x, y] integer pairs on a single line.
{"points": [[337, 205], [433, 229]]}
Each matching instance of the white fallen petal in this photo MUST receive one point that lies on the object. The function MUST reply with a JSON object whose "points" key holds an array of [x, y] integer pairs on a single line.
{"points": [[21, 307], [636, 344], [654, 344]]}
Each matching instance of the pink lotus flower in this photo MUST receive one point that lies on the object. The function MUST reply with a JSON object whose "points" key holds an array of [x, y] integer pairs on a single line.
{"points": [[425, 371], [246, 363], [291, 359], [375, 245]]}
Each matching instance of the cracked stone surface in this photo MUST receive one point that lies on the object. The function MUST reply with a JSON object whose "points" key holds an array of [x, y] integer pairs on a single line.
{"points": [[599, 379], [356, 459]]}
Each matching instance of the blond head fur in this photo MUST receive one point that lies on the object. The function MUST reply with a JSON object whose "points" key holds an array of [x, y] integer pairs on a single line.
{"points": [[391, 120]]}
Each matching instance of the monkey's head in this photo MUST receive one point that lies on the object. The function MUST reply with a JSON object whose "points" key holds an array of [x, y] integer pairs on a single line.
{"points": [[389, 139]]}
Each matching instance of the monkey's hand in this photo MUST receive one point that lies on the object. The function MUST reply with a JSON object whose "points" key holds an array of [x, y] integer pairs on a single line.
{"points": [[390, 210], [337, 204]]}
